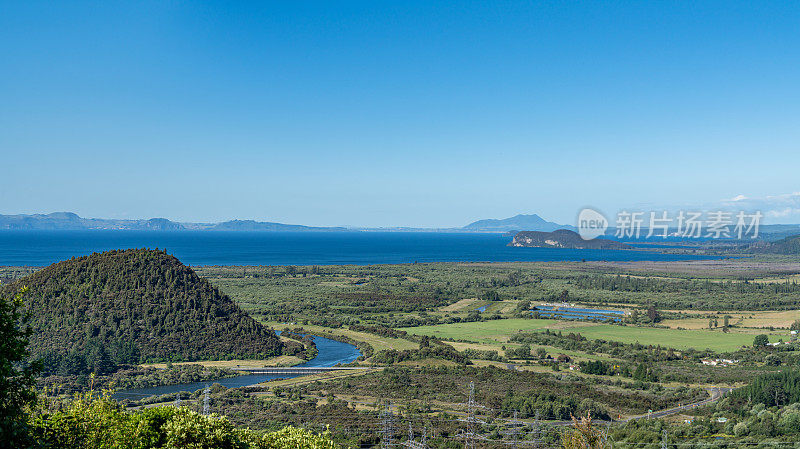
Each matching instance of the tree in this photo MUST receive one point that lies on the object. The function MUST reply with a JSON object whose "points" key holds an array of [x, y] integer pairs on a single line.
{"points": [[760, 341], [645, 373], [16, 372], [491, 295], [653, 314], [582, 435]]}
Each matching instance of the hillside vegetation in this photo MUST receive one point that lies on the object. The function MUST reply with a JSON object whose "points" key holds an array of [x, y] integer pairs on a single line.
{"points": [[788, 246], [128, 306], [91, 423]]}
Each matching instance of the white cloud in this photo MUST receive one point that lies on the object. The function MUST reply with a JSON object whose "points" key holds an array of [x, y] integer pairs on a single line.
{"points": [[783, 208]]}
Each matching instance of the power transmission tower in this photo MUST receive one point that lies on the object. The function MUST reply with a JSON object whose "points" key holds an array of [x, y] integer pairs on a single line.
{"points": [[178, 399], [604, 438], [387, 420], [664, 439], [537, 431], [411, 444], [513, 432], [206, 401], [470, 435]]}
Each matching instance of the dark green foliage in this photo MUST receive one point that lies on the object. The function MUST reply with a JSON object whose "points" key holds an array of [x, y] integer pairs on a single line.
{"points": [[125, 379], [788, 245], [383, 331], [577, 342], [428, 349], [523, 352], [595, 367], [16, 374], [774, 389], [645, 373], [120, 307], [90, 423], [760, 340]]}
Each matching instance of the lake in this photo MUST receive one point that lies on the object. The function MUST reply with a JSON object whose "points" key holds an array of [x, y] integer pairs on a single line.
{"points": [[40, 248]]}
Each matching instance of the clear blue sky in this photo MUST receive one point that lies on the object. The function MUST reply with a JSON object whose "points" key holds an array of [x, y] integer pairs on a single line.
{"points": [[395, 113]]}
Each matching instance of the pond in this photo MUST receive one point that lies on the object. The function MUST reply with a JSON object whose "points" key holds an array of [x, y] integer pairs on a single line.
{"points": [[577, 313]]}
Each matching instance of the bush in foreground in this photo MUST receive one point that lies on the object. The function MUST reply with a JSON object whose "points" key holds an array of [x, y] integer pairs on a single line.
{"points": [[95, 423]]}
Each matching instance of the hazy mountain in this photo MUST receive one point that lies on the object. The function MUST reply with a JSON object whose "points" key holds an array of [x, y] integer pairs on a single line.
{"points": [[56, 220], [251, 225], [519, 222], [71, 221]]}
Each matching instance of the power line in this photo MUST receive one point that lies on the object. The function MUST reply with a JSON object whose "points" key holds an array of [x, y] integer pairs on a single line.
{"points": [[470, 434], [387, 420], [206, 400]]}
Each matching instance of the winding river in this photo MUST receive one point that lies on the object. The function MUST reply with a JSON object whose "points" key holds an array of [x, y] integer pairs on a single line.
{"points": [[330, 353]]}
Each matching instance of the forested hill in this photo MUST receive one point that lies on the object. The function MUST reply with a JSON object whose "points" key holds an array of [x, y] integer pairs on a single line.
{"points": [[789, 245], [563, 238], [134, 305]]}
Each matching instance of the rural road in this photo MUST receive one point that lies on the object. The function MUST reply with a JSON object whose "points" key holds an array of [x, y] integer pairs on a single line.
{"points": [[715, 394]]}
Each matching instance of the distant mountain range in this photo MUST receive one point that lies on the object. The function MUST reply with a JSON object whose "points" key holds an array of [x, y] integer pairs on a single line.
{"points": [[71, 221], [519, 222]]}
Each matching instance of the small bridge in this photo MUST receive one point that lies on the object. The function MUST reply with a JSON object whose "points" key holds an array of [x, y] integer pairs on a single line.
{"points": [[300, 369]]}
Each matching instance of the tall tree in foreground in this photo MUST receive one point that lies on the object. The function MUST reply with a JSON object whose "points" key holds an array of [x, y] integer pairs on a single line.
{"points": [[16, 373]]}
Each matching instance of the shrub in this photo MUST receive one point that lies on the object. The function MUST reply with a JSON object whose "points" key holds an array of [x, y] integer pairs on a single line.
{"points": [[94, 423]]}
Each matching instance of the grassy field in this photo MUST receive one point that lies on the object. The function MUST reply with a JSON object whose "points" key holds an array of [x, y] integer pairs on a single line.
{"points": [[745, 319], [494, 330], [502, 330]]}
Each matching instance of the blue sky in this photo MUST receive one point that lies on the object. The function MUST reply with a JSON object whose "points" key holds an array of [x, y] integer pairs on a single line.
{"points": [[396, 113]]}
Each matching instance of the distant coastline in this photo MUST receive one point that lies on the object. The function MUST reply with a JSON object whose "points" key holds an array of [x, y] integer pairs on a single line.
{"points": [[202, 248], [70, 221]]}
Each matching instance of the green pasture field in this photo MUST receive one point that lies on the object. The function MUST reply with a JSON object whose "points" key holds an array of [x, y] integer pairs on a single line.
{"points": [[502, 330]]}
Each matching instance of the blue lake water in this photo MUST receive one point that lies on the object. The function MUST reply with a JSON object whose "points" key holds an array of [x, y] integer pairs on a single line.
{"points": [[39, 248], [330, 353], [576, 313]]}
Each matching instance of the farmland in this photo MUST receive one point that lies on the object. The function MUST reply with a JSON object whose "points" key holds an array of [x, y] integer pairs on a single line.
{"points": [[501, 331]]}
